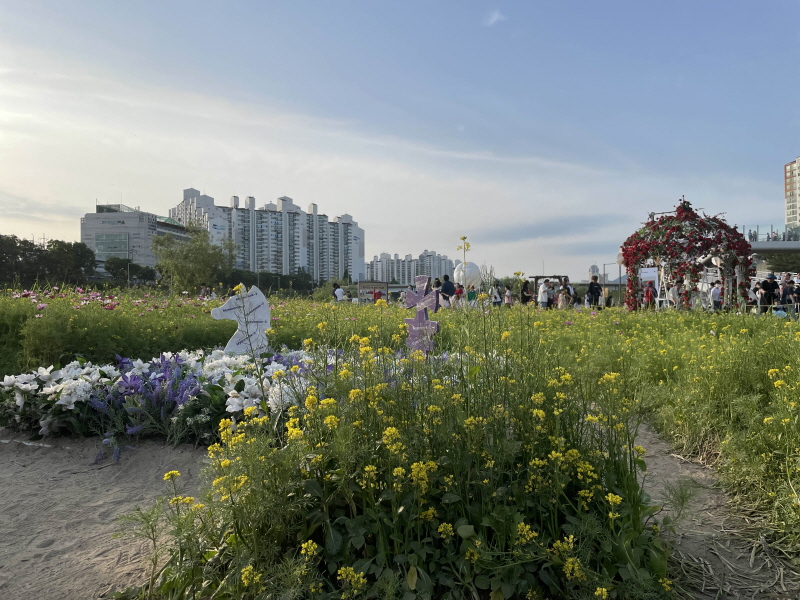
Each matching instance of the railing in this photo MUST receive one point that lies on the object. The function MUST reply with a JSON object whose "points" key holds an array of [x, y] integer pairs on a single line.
{"points": [[770, 233]]}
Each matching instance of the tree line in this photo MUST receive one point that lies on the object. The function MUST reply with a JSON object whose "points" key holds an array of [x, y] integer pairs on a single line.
{"points": [[24, 263], [180, 265]]}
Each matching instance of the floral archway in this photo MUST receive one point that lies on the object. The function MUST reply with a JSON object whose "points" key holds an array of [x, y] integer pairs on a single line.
{"points": [[681, 244]]}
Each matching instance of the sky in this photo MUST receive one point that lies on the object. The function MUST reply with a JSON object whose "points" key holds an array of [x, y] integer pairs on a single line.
{"points": [[543, 131]]}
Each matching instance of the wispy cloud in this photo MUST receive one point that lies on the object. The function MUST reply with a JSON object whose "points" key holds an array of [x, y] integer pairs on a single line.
{"points": [[72, 134], [555, 227], [494, 18]]}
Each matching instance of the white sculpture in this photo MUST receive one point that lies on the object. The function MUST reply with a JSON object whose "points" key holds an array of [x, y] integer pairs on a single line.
{"points": [[471, 277], [250, 309]]}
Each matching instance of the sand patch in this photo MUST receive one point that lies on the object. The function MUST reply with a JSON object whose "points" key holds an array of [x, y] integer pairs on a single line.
{"points": [[58, 513], [718, 551]]}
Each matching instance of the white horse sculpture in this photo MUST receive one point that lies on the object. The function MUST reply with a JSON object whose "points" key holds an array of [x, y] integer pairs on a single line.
{"points": [[250, 309]]}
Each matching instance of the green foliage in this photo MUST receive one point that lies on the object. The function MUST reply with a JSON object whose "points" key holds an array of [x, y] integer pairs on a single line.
{"points": [[495, 473], [24, 263], [789, 261], [187, 265], [98, 327]]}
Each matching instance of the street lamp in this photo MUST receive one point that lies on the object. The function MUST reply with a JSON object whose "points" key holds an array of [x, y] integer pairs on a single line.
{"points": [[604, 274]]}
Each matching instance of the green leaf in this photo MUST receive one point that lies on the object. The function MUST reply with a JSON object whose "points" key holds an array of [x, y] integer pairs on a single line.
{"points": [[482, 582], [312, 487], [496, 595], [472, 374], [411, 578], [333, 542], [450, 497], [466, 531]]}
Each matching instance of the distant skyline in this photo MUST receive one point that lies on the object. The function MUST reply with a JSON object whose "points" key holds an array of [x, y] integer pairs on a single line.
{"points": [[542, 131]]}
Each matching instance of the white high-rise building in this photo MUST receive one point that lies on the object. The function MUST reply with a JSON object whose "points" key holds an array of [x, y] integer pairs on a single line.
{"points": [[403, 270], [280, 237], [791, 192]]}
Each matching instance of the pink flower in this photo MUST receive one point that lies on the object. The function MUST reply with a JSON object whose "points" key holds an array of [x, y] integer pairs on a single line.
{"points": [[41, 306], [37, 316]]}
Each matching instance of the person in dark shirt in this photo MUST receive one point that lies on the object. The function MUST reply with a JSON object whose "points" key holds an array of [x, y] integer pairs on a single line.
{"points": [[594, 291], [447, 290], [769, 292]]}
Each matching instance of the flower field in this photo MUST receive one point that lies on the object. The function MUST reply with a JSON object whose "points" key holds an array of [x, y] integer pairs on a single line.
{"points": [[504, 465]]}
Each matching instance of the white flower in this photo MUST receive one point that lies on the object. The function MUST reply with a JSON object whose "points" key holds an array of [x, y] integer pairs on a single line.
{"points": [[45, 425], [280, 397], [47, 375], [8, 381], [140, 367]]}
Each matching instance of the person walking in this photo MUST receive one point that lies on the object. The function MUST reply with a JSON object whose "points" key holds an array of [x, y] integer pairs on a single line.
{"points": [[508, 297], [594, 291], [525, 294], [496, 294], [716, 295], [447, 291], [649, 296], [542, 297]]}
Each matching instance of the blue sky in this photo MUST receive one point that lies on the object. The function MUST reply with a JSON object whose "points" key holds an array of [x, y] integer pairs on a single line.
{"points": [[544, 131]]}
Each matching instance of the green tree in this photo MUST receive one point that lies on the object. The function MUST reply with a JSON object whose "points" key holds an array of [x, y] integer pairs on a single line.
{"points": [[118, 267], [188, 264], [20, 261], [70, 262], [783, 262], [146, 274]]}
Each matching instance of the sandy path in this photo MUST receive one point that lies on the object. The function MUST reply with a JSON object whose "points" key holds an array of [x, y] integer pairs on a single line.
{"points": [[57, 514], [719, 550]]}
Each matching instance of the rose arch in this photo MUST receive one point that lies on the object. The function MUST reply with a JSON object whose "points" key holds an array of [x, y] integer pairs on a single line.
{"points": [[682, 244]]}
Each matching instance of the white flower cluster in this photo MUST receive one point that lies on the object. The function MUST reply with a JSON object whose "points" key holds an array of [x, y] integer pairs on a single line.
{"points": [[74, 383]]}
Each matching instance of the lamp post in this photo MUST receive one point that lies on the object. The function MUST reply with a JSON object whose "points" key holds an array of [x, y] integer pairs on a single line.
{"points": [[129, 275], [605, 283], [620, 262]]}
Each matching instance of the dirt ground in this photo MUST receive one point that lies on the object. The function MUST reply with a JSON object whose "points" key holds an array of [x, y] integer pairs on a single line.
{"points": [[718, 551], [58, 514], [58, 511]]}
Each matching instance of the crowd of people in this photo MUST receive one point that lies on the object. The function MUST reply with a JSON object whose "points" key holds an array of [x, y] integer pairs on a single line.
{"points": [[779, 295], [773, 236]]}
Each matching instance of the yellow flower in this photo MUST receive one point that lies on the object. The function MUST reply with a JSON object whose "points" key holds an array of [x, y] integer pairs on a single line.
{"points": [[170, 475], [524, 534], [428, 515], [353, 582], [446, 531], [601, 593], [249, 577], [613, 499], [309, 549], [332, 421], [573, 570]]}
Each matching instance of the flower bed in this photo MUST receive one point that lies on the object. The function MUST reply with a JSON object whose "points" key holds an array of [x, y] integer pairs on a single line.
{"points": [[368, 472], [180, 397]]}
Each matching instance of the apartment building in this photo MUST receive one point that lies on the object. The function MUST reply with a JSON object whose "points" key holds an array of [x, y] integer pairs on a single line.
{"points": [[791, 181], [403, 270], [279, 237]]}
